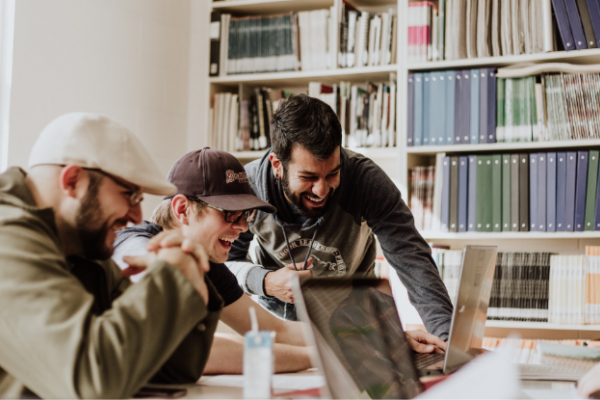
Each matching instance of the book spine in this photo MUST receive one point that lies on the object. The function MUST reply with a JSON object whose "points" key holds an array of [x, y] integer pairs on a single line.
{"points": [[463, 185], [575, 24], [592, 181], [491, 106], [453, 194], [427, 103], [551, 173], [542, 192], [497, 193], [561, 196], [524, 193], [472, 194], [563, 24], [580, 190], [474, 104], [418, 109], [570, 190], [450, 106], [586, 22], [483, 104], [594, 12], [514, 192], [506, 197], [410, 111], [445, 222], [533, 192], [215, 43]]}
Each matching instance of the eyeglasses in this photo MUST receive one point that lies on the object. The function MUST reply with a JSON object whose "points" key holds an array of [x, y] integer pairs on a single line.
{"points": [[234, 217], [134, 194]]}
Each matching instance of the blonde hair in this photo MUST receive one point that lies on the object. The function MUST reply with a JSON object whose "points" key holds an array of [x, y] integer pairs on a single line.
{"points": [[163, 213]]}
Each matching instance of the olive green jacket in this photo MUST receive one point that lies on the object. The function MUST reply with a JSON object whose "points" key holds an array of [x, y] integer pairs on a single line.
{"points": [[53, 344]]}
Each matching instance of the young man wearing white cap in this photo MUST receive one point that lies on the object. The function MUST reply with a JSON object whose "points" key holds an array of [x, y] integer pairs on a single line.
{"points": [[70, 326], [213, 206]]}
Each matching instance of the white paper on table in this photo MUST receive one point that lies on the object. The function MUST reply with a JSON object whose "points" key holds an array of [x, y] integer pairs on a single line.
{"points": [[552, 393], [286, 382], [489, 376]]}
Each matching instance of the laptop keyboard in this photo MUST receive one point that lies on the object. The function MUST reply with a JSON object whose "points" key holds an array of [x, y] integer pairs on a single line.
{"points": [[424, 359]]}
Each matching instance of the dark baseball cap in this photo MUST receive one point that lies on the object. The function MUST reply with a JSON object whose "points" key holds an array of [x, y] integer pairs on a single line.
{"points": [[217, 178]]}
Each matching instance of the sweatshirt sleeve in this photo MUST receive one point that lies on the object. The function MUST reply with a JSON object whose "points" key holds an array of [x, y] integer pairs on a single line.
{"points": [[404, 248], [55, 345], [250, 276]]}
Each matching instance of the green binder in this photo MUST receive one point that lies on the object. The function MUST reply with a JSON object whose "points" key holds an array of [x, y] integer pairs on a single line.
{"points": [[497, 193], [592, 182], [506, 192], [483, 210]]}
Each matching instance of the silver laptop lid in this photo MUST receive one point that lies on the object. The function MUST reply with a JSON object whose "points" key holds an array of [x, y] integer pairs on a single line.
{"points": [[354, 324], [470, 313]]}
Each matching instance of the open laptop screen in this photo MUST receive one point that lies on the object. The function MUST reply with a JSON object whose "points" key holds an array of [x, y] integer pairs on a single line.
{"points": [[358, 320]]}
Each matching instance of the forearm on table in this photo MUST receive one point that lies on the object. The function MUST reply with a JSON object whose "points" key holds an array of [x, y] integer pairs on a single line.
{"points": [[290, 332], [227, 356]]}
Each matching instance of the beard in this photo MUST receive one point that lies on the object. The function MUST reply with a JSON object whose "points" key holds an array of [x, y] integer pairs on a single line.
{"points": [[296, 199], [89, 216]]}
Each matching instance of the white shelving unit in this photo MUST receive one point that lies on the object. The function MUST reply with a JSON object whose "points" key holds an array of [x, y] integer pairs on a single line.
{"points": [[397, 161]]}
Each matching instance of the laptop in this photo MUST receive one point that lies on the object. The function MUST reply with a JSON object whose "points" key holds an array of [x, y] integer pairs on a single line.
{"points": [[469, 315], [360, 346]]}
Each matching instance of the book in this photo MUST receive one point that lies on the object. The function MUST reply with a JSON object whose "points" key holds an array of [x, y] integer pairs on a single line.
{"points": [[472, 194], [524, 192], [551, 174], [483, 217], [445, 212], [575, 24], [592, 181], [570, 186], [541, 192], [418, 109], [561, 195], [463, 186], [506, 195], [586, 22], [450, 106], [453, 220], [594, 11], [497, 193], [564, 27], [215, 43], [580, 190], [533, 192], [514, 192], [474, 101]]}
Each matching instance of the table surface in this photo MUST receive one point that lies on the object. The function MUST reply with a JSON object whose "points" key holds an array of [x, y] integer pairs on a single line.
{"points": [[205, 389]]}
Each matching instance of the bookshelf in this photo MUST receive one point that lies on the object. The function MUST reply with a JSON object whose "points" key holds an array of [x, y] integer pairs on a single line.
{"points": [[398, 160]]}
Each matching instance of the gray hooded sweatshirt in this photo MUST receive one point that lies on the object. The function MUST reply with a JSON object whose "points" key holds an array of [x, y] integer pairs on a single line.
{"points": [[365, 204]]}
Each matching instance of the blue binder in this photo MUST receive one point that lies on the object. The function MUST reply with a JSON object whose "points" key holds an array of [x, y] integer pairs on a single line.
{"points": [[597, 208], [438, 107], [483, 104], [541, 193], [563, 24], [463, 185], [462, 109], [570, 190], [551, 192], [561, 196], [474, 103], [445, 194], [450, 98], [491, 105], [575, 24], [410, 87], [581, 191], [594, 10], [418, 109], [472, 195], [426, 109], [533, 193]]}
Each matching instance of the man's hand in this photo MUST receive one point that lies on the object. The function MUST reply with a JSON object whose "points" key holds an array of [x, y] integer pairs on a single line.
{"points": [[278, 283], [188, 257], [423, 342], [590, 383]]}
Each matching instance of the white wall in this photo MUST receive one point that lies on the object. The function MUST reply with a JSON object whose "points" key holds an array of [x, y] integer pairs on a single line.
{"points": [[128, 59]]}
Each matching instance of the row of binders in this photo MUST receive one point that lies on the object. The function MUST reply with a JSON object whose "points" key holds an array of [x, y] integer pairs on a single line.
{"points": [[305, 40], [535, 287], [544, 192], [479, 107], [458, 29], [367, 114]]}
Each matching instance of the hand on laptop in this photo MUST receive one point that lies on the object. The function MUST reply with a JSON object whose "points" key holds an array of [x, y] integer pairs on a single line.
{"points": [[423, 342], [279, 283], [589, 385]]}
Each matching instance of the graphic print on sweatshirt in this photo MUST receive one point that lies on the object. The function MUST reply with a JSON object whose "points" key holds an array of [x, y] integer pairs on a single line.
{"points": [[327, 261]]}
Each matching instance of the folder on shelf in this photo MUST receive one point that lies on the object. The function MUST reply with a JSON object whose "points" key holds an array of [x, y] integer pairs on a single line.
{"points": [[551, 173], [463, 186], [580, 190], [500, 108], [445, 220], [586, 22], [474, 104], [462, 108], [506, 197], [483, 213], [491, 105], [483, 104], [438, 108], [533, 193], [575, 24], [562, 21], [561, 195], [427, 100], [514, 192], [594, 11], [450, 112], [418, 109], [541, 192], [410, 117], [453, 224], [472, 194], [524, 192], [497, 193], [570, 190], [590, 198]]}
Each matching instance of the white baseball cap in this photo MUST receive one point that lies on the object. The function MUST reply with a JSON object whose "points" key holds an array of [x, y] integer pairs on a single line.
{"points": [[97, 142]]}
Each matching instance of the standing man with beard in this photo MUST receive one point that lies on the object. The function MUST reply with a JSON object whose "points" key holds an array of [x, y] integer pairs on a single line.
{"points": [[70, 325], [330, 204]]}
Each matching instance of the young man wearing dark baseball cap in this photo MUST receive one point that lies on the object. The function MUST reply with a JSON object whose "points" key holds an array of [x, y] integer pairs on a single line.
{"points": [[212, 207], [70, 324]]}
